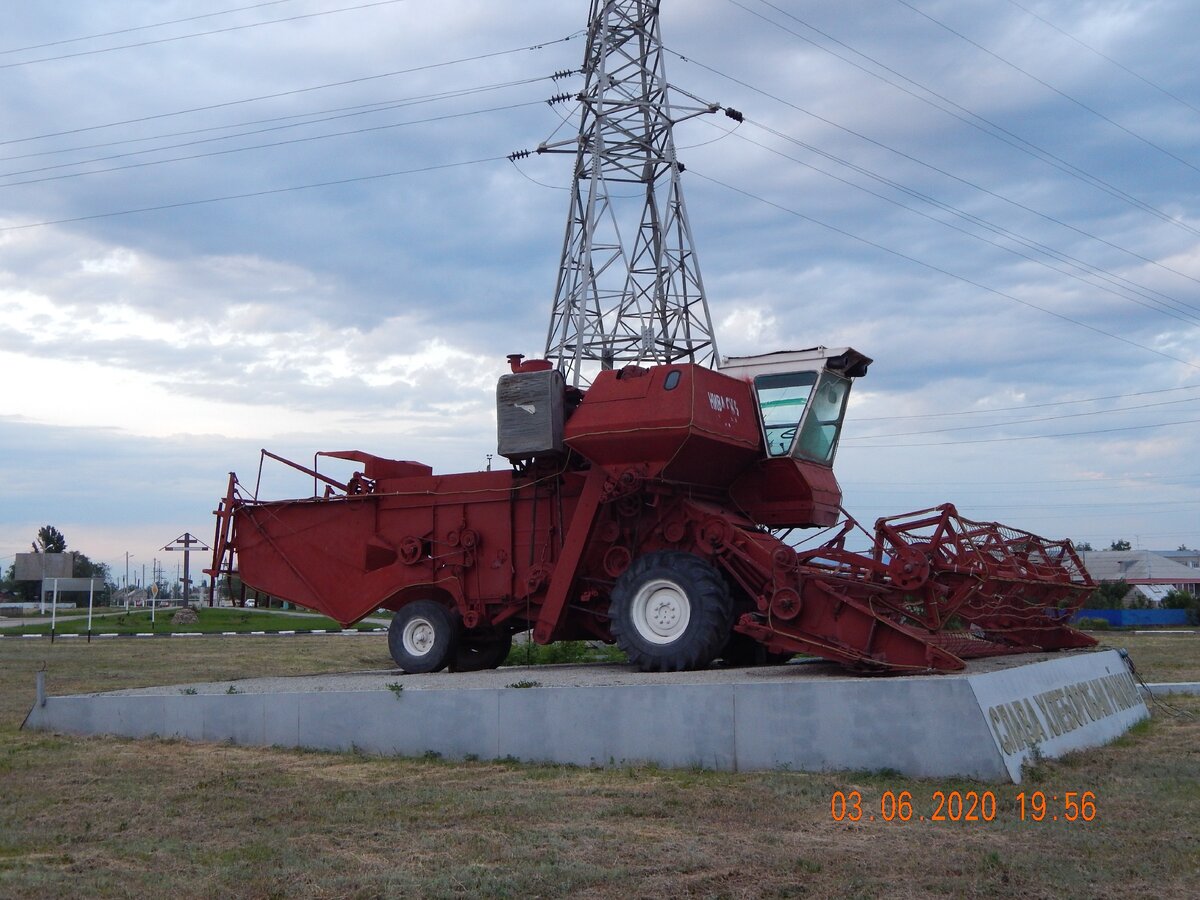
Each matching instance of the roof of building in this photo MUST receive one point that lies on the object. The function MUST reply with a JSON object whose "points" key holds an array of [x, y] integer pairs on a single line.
{"points": [[1137, 567], [1185, 556], [1155, 593]]}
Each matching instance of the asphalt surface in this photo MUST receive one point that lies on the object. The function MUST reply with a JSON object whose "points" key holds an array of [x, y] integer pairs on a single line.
{"points": [[99, 615]]}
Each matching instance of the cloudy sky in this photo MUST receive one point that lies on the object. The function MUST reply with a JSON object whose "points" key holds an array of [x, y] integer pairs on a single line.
{"points": [[293, 225]]}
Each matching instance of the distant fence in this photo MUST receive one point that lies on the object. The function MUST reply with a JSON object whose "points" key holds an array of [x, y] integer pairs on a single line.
{"points": [[1119, 618]]}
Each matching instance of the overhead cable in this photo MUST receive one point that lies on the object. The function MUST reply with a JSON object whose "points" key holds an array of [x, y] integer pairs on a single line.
{"points": [[1084, 106], [1078, 415], [1171, 307], [298, 140], [133, 28], [1105, 56], [184, 37], [310, 117], [946, 272], [1049, 159], [290, 93], [263, 193], [1028, 437], [975, 412]]}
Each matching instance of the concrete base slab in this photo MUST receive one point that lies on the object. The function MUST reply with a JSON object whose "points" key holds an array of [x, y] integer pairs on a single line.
{"points": [[981, 724], [1166, 688]]}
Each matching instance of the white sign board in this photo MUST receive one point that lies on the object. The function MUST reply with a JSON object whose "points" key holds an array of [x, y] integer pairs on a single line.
{"points": [[1054, 707], [36, 566]]}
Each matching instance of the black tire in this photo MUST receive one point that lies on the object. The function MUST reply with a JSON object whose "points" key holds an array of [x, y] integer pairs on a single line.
{"points": [[423, 636], [671, 611], [477, 652], [743, 651]]}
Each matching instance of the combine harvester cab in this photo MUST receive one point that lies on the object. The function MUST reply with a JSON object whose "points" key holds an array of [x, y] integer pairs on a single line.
{"points": [[650, 511]]}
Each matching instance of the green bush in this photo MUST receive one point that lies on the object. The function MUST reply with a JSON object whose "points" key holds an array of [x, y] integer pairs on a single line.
{"points": [[1178, 599], [1089, 624], [1109, 595]]}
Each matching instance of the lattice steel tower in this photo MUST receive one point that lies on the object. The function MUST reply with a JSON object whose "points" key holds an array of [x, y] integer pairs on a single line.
{"points": [[642, 302]]}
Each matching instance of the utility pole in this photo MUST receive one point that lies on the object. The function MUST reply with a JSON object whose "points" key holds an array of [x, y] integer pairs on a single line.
{"points": [[127, 555], [618, 303]]}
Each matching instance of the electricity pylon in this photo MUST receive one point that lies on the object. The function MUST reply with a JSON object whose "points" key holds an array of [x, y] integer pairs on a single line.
{"points": [[618, 303]]}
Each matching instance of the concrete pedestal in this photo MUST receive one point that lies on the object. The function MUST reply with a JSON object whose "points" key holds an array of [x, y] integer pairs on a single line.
{"points": [[982, 724]]}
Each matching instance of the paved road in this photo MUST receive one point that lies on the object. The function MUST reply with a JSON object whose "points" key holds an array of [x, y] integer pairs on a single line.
{"points": [[97, 617]]}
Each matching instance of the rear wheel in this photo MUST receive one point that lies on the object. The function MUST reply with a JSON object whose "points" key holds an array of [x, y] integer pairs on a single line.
{"points": [[478, 652], [423, 636], [671, 611]]}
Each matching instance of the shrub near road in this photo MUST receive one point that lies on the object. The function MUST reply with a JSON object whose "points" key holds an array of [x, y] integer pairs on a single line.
{"points": [[100, 816]]}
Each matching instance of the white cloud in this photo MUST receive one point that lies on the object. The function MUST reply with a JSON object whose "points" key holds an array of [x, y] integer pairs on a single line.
{"points": [[118, 262]]}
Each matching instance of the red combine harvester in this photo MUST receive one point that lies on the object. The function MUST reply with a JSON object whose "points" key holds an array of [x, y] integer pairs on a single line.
{"points": [[650, 511]]}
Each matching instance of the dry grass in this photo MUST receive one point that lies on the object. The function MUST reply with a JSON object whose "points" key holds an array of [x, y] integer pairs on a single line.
{"points": [[1168, 655], [110, 817]]}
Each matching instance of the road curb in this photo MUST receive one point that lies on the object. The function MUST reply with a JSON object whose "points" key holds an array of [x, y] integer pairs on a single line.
{"points": [[148, 634]]}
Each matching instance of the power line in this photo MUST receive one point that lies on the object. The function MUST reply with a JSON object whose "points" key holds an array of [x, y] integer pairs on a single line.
{"points": [[1141, 477], [1079, 415], [942, 271], [943, 172], [1011, 492], [442, 118], [91, 37], [1116, 504], [292, 92], [263, 193], [1104, 56], [271, 145], [1112, 278], [974, 412], [184, 37], [310, 117], [967, 121], [880, 246], [1023, 146], [1155, 533], [1030, 437], [1049, 86]]}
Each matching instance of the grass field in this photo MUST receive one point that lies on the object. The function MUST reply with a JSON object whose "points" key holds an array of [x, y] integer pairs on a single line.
{"points": [[112, 817], [211, 621]]}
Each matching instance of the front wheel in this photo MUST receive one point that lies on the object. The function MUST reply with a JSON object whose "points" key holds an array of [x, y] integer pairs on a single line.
{"points": [[423, 636], [671, 611]]}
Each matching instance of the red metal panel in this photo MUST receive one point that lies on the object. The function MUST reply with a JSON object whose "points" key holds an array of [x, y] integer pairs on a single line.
{"points": [[703, 429], [567, 565], [788, 493]]}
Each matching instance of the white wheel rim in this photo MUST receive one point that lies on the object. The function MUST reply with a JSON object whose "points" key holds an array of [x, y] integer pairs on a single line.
{"points": [[660, 611], [418, 636]]}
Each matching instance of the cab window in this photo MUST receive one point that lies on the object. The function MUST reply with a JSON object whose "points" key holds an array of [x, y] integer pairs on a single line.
{"points": [[823, 422], [802, 413], [781, 400]]}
